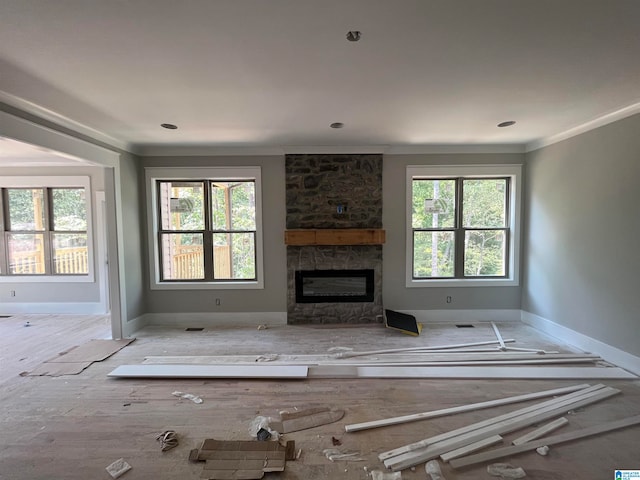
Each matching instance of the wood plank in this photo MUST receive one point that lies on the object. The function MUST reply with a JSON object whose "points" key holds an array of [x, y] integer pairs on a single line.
{"points": [[300, 237], [414, 458], [540, 432], [339, 236], [563, 400], [548, 441], [210, 371], [472, 447], [463, 408]]}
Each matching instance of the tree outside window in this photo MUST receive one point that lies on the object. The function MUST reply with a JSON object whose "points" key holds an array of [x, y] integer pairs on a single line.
{"points": [[45, 231], [207, 230], [459, 227]]}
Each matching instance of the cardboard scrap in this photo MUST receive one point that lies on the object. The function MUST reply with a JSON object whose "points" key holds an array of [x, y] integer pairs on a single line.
{"points": [[304, 419], [240, 459], [78, 358]]}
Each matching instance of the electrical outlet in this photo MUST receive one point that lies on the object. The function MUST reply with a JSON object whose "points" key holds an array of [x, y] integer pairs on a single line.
{"points": [[12, 293], [449, 299], [218, 302]]}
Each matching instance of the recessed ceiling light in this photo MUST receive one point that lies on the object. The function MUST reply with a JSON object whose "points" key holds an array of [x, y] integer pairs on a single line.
{"points": [[169, 126], [337, 125], [507, 123], [354, 35]]}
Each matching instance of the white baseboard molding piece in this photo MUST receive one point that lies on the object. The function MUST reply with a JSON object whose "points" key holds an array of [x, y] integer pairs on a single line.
{"points": [[502, 372], [554, 402], [562, 401], [355, 427], [472, 447], [464, 316], [548, 441], [583, 342], [542, 431], [349, 354], [413, 458], [210, 371], [54, 308], [328, 359], [216, 319], [133, 325]]}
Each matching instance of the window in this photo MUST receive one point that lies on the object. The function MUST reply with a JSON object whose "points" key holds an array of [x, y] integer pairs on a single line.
{"points": [[463, 225], [45, 229], [206, 227]]}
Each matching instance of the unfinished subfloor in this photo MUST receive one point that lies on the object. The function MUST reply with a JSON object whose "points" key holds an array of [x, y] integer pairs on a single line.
{"points": [[72, 427]]}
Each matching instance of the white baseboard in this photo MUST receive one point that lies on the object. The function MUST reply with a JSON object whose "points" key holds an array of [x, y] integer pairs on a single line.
{"points": [[583, 342], [133, 325], [84, 308], [208, 319], [464, 316]]}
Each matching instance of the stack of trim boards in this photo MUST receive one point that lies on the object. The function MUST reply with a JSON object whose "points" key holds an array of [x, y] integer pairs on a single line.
{"points": [[445, 443]]}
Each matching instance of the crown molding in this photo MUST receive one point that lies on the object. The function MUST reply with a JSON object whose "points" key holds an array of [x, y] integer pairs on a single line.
{"points": [[62, 120], [454, 148], [585, 127]]}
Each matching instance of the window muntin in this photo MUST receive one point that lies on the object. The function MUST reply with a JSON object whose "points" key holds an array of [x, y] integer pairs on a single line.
{"points": [[208, 230], [462, 225], [32, 218]]}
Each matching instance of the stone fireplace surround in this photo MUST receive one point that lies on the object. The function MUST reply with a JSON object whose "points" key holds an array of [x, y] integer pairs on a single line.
{"points": [[333, 192]]}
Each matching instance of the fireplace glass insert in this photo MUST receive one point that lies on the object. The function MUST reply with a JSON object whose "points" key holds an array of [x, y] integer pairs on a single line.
{"points": [[323, 286]]}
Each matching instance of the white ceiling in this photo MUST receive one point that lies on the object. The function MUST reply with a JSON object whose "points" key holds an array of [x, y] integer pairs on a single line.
{"points": [[260, 74]]}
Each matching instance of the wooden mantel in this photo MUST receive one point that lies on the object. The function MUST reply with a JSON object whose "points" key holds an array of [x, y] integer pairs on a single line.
{"points": [[338, 236]]}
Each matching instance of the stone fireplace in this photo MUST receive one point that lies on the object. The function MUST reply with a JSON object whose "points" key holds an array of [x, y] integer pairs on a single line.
{"points": [[334, 238]]}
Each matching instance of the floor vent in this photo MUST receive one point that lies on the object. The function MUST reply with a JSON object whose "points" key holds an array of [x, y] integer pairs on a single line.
{"points": [[193, 329], [465, 325]]}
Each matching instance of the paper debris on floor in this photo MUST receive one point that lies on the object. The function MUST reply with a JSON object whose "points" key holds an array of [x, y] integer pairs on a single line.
{"points": [[335, 454], [118, 468], [188, 396]]}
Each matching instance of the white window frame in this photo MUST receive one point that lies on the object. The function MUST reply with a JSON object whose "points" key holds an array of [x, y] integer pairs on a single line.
{"points": [[152, 175], [56, 182], [514, 173]]}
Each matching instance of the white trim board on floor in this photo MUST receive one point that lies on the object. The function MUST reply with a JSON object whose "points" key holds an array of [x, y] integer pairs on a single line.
{"points": [[463, 408], [469, 372], [583, 342], [553, 440], [337, 371], [209, 371]]}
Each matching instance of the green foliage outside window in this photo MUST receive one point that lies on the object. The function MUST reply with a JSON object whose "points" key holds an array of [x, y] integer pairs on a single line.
{"points": [[459, 227]]}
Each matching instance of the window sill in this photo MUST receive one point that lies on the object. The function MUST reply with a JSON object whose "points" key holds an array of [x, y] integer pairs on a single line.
{"points": [[476, 282], [47, 279], [253, 285]]}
